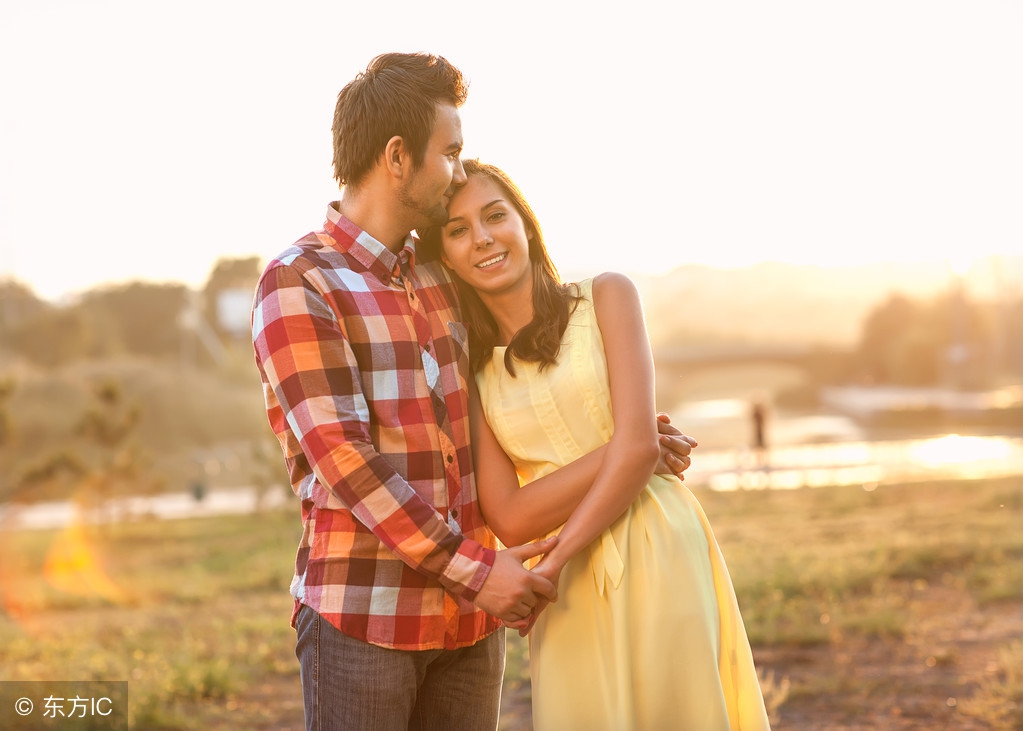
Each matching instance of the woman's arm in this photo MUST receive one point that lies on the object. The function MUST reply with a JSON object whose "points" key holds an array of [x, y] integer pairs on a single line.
{"points": [[631, 454], [518, 515]]}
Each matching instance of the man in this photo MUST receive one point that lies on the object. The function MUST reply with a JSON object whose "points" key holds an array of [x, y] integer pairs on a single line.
{"points": [[399, 589]]}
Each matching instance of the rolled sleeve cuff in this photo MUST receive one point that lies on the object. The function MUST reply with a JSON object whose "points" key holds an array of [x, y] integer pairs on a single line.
{"points": [[468, 569]]}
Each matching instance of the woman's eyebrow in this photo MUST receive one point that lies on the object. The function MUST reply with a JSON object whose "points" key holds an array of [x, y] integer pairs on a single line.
{"points": [[483, 208]]}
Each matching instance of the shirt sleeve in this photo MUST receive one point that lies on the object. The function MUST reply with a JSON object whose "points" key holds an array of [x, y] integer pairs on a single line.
{"points": [[310, 367]]}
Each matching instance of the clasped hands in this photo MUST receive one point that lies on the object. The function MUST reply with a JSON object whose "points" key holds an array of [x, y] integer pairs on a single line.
{"points": [[513, 593]]}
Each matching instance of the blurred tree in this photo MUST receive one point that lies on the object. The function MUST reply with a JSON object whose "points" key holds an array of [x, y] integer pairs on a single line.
{"points": [[109, 421], [138, 318], [968, 345], [266, 468], [1010, 339], [50, 477], [18, 303], [53, 337], [110, 425], [882, 335], [944, 342], [227, 296], [6, 422], [103, 457]]}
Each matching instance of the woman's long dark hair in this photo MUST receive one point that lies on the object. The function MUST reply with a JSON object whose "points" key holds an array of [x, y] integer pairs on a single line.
{"points": [[553, 301]]}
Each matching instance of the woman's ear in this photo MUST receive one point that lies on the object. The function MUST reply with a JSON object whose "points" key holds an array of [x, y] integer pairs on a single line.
{"points": [[444, 259]]}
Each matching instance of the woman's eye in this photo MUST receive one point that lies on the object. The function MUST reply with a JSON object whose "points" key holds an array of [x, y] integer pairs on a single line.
{"points": [[496, 216], [457, 231]]}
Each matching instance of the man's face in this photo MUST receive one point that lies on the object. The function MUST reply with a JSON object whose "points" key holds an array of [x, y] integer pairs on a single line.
{"points": [[429, 189]]}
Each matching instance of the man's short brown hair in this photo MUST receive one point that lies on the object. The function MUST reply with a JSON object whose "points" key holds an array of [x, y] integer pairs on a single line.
{"points": [[397, 95]]}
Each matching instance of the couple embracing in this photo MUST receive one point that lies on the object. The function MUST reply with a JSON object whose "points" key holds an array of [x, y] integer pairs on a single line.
{"points": [[436, 393]]}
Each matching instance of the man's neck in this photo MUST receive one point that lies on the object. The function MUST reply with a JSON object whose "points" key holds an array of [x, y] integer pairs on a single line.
{"points": [[375, 214]]}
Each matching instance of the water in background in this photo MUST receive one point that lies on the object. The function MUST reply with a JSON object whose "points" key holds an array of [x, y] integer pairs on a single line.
{"points": [[801, 451], [829, 449]]}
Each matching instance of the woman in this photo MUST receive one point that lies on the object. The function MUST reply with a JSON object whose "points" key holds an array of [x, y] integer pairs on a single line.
{"points": [[646, 633]]}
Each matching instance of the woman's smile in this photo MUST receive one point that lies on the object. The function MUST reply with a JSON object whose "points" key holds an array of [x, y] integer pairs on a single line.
{"points": [[492, 261]]}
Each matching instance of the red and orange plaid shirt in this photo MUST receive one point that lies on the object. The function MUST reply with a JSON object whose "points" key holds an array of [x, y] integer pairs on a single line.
{"points": [[364, 364]]}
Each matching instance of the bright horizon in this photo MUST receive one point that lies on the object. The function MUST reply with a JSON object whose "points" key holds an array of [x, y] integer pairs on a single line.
{"points": [[145, 143]]}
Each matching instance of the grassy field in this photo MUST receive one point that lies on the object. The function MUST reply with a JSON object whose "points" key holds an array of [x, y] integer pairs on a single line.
{"points": [[900, 607]]}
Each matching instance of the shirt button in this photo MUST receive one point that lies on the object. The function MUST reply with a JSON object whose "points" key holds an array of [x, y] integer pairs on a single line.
{"points": [[454, 512], [427, 347], [450, 459]]}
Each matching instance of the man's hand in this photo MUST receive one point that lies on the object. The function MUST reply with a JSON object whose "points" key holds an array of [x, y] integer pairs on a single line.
{"points": [[511, 591], [675, 448]]}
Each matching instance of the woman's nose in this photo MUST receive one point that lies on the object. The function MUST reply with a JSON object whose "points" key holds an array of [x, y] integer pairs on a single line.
{"points": [[483, 239]]}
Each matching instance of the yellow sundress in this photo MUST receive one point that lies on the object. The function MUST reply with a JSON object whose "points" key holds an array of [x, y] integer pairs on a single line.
{"points": [[646, 633]]}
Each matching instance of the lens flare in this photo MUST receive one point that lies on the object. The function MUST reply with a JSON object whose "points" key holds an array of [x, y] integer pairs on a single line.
{"points": [[72, 566]]}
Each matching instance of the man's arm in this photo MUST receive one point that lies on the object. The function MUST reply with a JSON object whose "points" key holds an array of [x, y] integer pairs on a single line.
{"points": [[675, 448], [311, 370]]}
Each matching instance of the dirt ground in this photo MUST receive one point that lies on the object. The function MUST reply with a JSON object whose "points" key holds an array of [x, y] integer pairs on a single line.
{"points": [[917, 682], [920, 682]]}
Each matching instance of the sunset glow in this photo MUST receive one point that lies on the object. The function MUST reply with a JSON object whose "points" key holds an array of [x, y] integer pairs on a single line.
{"points": [[721, 134]]}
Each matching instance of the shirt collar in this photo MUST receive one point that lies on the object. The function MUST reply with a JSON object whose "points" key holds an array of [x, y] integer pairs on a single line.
{"points": [[377, 258]]}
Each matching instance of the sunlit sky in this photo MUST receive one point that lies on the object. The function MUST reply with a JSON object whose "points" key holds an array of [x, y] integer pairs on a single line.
{"points": [[144, 140]]}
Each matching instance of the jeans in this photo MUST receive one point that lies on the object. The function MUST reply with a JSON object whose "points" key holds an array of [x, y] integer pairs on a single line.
{"points": [[351, 684]]}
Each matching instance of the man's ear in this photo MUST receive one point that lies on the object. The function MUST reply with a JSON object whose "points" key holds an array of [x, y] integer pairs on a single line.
{"points": [[396, 157]]}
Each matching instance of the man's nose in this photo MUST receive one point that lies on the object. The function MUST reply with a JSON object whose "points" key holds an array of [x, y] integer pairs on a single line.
{"points": [[459, 178]]}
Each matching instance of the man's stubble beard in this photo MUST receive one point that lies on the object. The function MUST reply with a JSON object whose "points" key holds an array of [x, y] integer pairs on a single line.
{"points": [[436, 215]]}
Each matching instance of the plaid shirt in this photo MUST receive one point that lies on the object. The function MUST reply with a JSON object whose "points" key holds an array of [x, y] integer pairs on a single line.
{"points": [[364, 364]]}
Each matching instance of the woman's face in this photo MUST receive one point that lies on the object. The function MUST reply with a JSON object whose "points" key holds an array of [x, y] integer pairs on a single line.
{"points": [[485, 241]]}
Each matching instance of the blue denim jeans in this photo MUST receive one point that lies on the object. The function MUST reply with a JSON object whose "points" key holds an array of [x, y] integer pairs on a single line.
{"points": [[351, 684]]}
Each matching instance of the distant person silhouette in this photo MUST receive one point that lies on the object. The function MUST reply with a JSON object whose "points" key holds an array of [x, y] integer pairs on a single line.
{"points": [[758, 415]]}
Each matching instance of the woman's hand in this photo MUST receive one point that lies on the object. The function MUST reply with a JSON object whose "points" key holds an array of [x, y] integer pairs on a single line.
{"points": [[549, 569]]}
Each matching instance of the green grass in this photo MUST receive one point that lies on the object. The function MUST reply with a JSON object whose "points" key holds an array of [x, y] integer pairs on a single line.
{"points": [[197, 618], [194, 613], [853, 556], [1000, 701]]}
